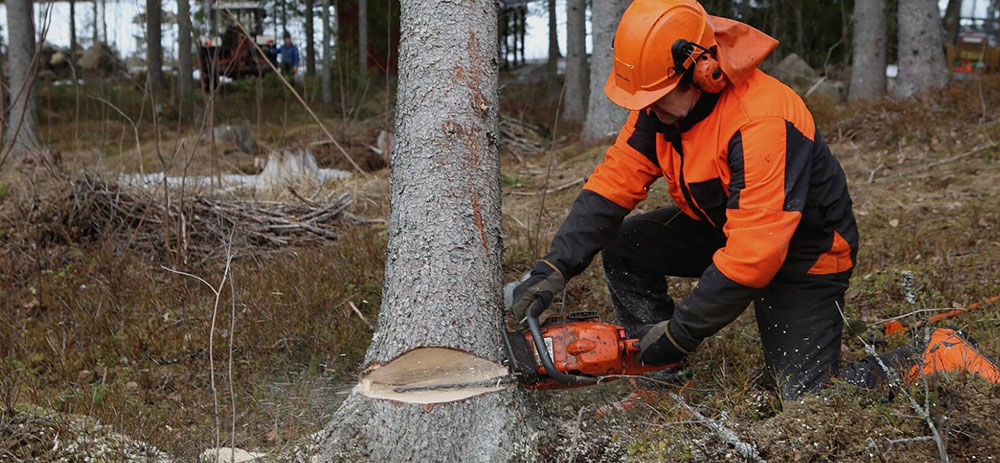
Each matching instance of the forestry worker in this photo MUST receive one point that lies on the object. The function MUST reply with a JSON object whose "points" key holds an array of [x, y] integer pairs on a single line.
{"points": [[761, 209]]}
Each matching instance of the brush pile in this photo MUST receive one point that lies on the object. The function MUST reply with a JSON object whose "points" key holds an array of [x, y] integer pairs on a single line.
{"points": [[196, 229], [520, 139]]}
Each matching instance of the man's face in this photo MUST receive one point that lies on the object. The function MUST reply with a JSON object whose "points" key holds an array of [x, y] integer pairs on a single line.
{"points": [[288, 41], [675, 105]]}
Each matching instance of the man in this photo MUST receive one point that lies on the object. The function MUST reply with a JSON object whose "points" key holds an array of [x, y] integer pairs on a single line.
{"points": [[762, 212], [288, 53]]}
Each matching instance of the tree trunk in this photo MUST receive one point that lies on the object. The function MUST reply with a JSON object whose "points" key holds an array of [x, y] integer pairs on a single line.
{"points": [[21, 135], [104, 20], [363, 35], [184, 67], [94, 30], [284, 16], [604, 118], [72, 28], [868, 71], [575, 100], [327, 58], [443, 276], [310, 40], [921, 57], [154, 45], [952, 15], [552, 66]]}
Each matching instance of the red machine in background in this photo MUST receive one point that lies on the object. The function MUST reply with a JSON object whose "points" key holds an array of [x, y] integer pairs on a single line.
{"points": [[228, 50]]}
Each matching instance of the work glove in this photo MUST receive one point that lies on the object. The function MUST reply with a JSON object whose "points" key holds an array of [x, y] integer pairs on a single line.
{"points": [[544, 283], [659, 347]]}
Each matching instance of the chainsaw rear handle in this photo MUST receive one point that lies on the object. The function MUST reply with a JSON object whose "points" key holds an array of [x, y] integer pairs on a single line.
{"points": [[534, 310]]}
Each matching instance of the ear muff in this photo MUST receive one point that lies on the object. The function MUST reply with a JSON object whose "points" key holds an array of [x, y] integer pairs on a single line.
{"points": [[699, 65], [707, 74]]}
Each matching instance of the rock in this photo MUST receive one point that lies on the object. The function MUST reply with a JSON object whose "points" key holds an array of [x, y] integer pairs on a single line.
{"points": [[795, 72], [230, 455], [238, 135], [100, 57], [58, 59], [832, 89]]}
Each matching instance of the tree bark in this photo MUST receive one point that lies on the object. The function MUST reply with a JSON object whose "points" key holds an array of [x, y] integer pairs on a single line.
{"points": [[327, 76], [363, 35], [72, 29], [184, 66], [868, 71], [154, 45], [21, 134], [94, 30], [443, 276], [552, 66], [603, 117], [310, 40], [921, 57], [575, 100], [104, 20]]}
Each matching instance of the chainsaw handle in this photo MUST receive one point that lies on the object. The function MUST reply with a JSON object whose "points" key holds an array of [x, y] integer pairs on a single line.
{"points": [[534, 310]]}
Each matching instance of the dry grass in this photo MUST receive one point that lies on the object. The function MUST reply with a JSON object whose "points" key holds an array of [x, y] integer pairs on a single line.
{"points": [[88, 330]]}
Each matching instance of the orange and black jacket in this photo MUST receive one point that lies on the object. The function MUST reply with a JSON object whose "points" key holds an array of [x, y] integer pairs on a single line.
{"points": [[751, 162]]}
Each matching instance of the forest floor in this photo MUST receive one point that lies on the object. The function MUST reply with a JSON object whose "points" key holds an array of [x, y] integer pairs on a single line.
{"points": [[95, 326]]}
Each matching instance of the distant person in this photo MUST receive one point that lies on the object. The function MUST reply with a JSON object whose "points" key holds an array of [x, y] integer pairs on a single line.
{"points": [[288, 54]]}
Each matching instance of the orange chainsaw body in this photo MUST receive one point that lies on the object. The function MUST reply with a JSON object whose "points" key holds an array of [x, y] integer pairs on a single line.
{"points": [[580, 344]]}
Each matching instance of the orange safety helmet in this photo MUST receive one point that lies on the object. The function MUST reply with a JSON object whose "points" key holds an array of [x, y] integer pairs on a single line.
{"points": [[657, 43]]}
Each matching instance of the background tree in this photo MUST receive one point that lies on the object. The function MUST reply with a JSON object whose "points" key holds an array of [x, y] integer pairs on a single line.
{"points": [[921, 55], [575, 100], [363, 35], [870, 46], [310, 39], [603, 117], [952, 16], [552, 65], [184, 67], [327, 77], [443, 276], [154, 47], [73, 45], [21, 132]]}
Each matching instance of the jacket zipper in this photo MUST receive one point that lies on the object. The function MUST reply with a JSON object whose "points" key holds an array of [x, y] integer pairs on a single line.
{"points": [[676, 142]]}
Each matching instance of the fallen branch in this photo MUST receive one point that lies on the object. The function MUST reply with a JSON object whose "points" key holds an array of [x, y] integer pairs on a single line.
{"points": [[746, 450], [550, 190]]}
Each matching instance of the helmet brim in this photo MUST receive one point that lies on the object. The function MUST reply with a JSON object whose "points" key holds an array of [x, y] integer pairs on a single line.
{"points": [[640, 99]]}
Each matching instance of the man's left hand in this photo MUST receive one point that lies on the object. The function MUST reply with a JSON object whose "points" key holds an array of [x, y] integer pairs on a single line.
{"points": [[658, 346]]}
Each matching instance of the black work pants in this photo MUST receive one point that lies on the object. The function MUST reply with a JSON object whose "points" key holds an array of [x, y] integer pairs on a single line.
{"points": [[798, 316]]}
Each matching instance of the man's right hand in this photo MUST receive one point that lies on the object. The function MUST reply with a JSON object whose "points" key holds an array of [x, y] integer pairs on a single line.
{"points": [[544, 283]]}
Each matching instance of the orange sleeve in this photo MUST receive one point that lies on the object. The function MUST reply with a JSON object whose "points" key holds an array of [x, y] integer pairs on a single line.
{"points": [[760, 218], [626, 173]]}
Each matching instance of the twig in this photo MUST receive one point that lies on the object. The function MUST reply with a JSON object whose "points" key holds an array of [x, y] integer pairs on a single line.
{"points": [[964, 155], [355, 309], [576, 434], [550, 190], [748, 451], [909, 440]]}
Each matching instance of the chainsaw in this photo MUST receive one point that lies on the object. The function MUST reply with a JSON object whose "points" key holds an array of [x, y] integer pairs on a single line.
{"points": [[572, 350]]}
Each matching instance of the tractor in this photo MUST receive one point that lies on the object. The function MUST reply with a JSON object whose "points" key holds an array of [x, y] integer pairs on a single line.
{"points": [[228, 49]]}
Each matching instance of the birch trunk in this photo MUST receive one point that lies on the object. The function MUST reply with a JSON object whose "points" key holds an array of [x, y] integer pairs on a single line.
{"points": [[310, 40], [921, 55], [184, 69], [603, 117], [575, 100], [21, 132], [327, 76], [363, 35], [868, 70], [443, 277], [154, 45]]}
